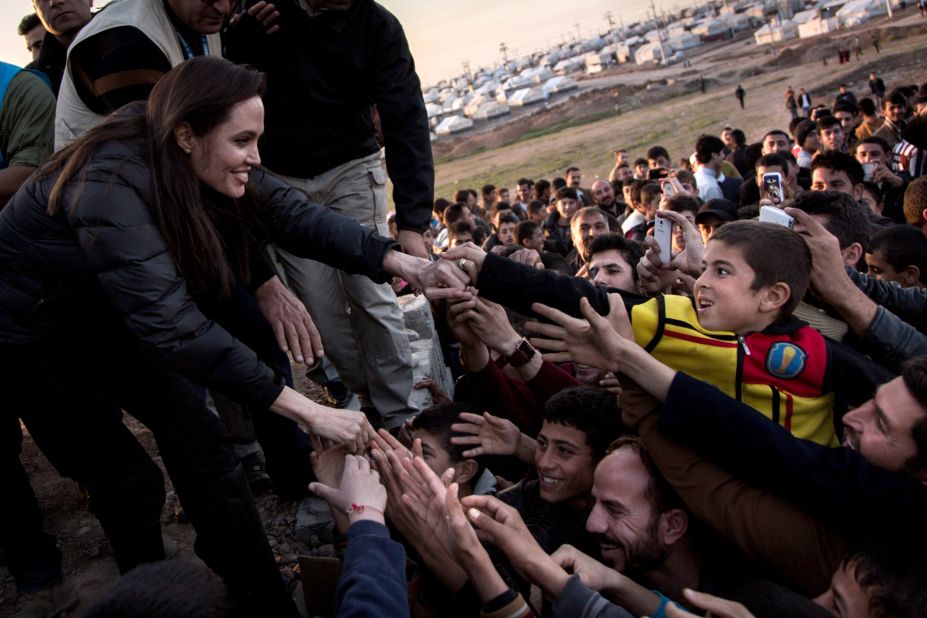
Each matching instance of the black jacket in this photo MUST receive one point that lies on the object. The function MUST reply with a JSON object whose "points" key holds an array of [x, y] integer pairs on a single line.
{"points": [[102, 261], [325, 74]]}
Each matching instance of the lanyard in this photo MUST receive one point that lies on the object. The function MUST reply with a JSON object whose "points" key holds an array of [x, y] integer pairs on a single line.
{"points": [[188, 51]]}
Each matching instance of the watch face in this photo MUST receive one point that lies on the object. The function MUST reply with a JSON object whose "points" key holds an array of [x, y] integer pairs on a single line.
{"points": [[522, 354]]}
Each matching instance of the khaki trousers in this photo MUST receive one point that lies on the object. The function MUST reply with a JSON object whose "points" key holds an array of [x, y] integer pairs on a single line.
{"points": [[361, 324]]}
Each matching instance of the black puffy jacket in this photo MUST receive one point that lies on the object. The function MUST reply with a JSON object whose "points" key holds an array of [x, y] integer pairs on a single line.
{"points": [[101, 260]]}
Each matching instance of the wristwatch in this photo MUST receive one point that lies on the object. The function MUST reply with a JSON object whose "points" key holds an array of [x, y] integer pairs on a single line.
{"points": [[522, 354]]}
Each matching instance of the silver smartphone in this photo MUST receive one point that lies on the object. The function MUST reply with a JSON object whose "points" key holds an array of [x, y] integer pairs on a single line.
{"points": [[771, 214], [663, 234]]}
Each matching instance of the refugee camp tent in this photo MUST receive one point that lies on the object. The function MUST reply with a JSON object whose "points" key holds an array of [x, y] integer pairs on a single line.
{"points": [[856, 12], [527, 96], [559, 84], [487, 110], [453, 124]]}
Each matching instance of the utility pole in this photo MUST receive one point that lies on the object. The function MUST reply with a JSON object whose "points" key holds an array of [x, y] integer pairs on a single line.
{"points": [[579, 35], [504, 49], [611, 20], [466, 70], [659, 33]]}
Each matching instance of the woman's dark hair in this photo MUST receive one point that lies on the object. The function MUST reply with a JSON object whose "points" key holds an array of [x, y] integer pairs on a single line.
{"points": [[200, 93]]}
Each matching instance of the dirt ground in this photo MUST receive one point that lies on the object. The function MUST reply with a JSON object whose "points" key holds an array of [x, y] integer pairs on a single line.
{"points": [[670, 111]]}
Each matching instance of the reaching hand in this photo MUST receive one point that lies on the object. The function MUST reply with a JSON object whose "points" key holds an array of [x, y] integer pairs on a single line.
{"points": [[473, 258], [688, 260], [434, 501], [359, 492], [593, 573], [292, 325], [424, 494], [438, 396], [438, 280], [412, 243], [528, 257], [828, 272], [458, 318], [490, 323], [501, 525], [327, 459], [591, 341], [343, 426], [715, 606], [491, 435], [653, 275]]}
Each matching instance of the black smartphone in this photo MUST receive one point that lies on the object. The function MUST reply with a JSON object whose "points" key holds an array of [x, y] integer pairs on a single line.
{"points": [[657, 173]]}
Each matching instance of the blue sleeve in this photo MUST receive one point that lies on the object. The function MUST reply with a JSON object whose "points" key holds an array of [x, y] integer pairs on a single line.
{"points": [[373, 581], [835, 483]]}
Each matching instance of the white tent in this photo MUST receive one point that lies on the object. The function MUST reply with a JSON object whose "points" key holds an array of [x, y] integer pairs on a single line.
{"points": [[488, 87], [527, 96], [775, 33], [817, 26], [712, 30], [453, 124], [856, 12], [559, 84], [569, 65], [650, 53], [433, 110], [597, 61], [487, 110], [682, 42]]}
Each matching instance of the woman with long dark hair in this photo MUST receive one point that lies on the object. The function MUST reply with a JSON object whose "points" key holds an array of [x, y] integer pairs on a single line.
{"points": [[106, 254]]}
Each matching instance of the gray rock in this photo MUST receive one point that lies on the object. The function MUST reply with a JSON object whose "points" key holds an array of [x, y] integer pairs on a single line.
{"points": [[312, 519], [417, 315]]}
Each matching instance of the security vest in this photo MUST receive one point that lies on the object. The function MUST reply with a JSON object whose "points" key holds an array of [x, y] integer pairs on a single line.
{"points": [[72, 117], [782, 375]]}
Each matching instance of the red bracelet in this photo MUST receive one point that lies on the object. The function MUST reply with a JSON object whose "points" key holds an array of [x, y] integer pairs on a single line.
{"points": [[360, 508]]}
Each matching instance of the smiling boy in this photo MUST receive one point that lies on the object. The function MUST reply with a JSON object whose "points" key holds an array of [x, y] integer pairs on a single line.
{"points": [[579, 424]]}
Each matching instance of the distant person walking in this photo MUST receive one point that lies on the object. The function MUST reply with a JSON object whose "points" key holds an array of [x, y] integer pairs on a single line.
{"points": [[804, 102], [857, 47], [740, 93], [874, 39], [843, 53], [791, 103]]}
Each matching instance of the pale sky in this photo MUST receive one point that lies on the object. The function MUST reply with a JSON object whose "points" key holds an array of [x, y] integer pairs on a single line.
{"points": [[444, 33]]}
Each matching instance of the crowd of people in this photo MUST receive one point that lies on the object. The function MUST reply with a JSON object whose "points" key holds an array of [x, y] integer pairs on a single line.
{"points": [[697, 385]]}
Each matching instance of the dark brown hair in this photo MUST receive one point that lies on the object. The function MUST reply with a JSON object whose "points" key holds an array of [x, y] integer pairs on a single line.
{"points": [[201, 93], [776, 254]]}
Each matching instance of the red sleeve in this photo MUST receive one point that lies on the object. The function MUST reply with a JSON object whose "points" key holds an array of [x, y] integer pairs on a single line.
{"points": [[516, 400]]}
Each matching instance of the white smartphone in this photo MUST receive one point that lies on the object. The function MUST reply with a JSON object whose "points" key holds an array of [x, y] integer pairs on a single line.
{"points": [[869, 171], [663, 234], [668, 189], [771, 214]]}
